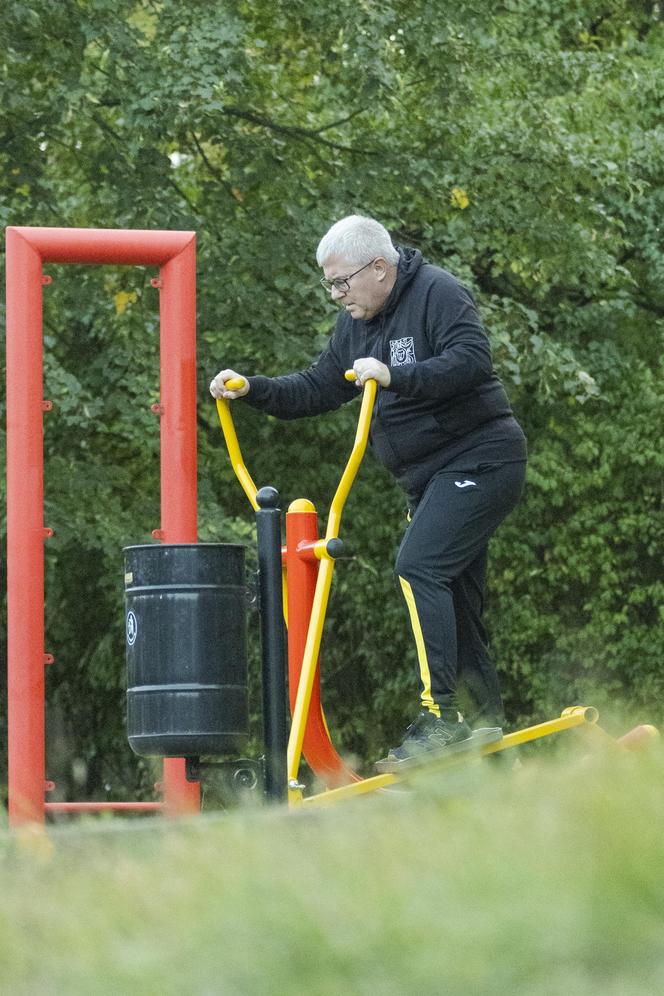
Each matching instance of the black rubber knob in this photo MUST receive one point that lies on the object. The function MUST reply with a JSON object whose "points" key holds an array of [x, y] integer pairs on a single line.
{"points": [[267, 497], [334, 547]]}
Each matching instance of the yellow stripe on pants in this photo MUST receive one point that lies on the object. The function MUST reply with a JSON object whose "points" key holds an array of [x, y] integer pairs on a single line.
{"points": [[425, 674]]}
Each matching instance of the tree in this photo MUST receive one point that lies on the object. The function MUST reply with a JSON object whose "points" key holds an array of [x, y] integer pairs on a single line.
{"points": [[519, 147]]}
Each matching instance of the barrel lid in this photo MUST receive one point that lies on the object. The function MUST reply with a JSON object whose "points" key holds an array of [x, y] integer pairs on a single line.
{"points": [[166, 546]]}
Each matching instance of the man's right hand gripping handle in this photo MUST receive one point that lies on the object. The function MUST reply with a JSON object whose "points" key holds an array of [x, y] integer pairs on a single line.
{"points": [[228, 385]]}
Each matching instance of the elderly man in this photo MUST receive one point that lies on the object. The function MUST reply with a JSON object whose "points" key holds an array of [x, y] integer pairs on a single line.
{"points": [[443, 426]]}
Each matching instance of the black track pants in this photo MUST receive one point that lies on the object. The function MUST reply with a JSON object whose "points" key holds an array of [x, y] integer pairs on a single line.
{"points": [[441, 566]]}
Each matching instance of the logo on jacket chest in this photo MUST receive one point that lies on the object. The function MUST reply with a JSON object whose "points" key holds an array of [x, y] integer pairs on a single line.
{"points": [[402, 351]]}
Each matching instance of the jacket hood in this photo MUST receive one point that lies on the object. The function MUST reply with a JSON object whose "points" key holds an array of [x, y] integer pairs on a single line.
{"points": [[410, 260]]}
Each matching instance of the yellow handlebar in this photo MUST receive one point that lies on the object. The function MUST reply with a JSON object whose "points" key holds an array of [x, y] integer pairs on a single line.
{"points": [[234, 452], [235, 383], [349, 474], [355, 458]]}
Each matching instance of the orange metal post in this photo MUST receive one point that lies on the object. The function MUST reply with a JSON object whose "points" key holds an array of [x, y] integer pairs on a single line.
{"points": [[178, 449], [25, 532], [27, 249], [302, 571]]}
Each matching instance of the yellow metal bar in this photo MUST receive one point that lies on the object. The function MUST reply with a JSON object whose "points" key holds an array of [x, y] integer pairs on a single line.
{"points": [[307, 674], [284, 592], [570, 718], [575, 716], [321, 597], [355, 788], [320, 550], [241, 472], [234, 452], [349, 474]]}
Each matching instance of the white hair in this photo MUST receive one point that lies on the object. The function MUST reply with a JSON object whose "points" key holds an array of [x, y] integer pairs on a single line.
{"points": [[358, 240]]}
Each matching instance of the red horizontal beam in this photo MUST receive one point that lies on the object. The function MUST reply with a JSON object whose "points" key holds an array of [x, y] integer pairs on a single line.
{"points": [[135, 247], [96, 807]]}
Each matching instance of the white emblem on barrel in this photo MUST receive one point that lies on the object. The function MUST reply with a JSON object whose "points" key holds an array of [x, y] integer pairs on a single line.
{"points": [[132, 629]]}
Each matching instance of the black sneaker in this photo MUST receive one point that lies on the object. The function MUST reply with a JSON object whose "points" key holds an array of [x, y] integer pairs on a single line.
{"points": [[426, 738]]}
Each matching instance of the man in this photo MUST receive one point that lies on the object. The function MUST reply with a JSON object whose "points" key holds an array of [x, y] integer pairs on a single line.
{"points": [[443, 426]]}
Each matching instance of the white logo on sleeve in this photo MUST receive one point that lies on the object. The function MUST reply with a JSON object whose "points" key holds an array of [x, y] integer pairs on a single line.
{"points": [[466, 484], [402, 351]]}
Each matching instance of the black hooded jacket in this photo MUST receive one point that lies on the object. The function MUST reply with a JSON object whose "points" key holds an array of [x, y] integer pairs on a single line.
{"points": [[444, 408]]}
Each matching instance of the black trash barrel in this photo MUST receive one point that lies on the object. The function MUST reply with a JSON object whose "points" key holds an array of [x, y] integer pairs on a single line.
{"points": [[186, 649]]}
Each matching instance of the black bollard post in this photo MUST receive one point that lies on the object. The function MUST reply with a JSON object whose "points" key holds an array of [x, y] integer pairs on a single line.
{"points": [[273, 643]]}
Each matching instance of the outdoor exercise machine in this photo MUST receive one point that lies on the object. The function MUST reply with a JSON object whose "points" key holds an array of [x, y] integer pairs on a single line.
{"points": [[308, 566]]}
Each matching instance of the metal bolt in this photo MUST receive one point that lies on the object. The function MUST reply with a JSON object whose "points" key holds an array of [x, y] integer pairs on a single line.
{"points": [[245, 778]]}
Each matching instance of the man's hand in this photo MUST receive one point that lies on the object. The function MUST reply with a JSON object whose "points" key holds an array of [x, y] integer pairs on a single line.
{"points": [[369, 368], [218, 385]]}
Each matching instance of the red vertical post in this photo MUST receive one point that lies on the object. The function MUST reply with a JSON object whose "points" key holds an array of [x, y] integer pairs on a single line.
{"points": [[25, 532], [301, 528], [302, 573], [178, 449]]}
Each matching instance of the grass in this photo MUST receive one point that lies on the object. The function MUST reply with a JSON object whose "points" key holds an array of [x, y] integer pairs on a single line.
{"points": [[547, 880]]}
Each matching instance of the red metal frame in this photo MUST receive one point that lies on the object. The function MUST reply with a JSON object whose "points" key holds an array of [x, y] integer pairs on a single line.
{"points": [[27, 250]]}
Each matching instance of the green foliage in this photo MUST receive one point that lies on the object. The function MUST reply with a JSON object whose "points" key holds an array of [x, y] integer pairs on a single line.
{"points": [[581, 602], [519, 145]]}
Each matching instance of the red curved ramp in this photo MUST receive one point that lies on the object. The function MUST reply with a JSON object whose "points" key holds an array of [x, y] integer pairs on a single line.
{"points": [[317, 745]]}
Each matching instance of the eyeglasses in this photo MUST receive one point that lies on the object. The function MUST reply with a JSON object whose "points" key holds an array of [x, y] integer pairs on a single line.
{"points": [[343, 283]]}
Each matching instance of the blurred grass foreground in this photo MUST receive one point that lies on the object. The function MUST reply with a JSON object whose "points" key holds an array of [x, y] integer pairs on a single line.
{"points": [[544, 880]]}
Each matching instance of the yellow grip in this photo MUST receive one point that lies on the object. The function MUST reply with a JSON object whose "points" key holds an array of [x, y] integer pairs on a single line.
{"points": [[351, 375], [234, 384]]}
